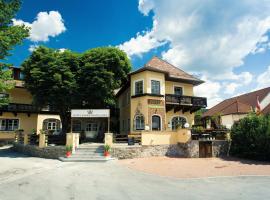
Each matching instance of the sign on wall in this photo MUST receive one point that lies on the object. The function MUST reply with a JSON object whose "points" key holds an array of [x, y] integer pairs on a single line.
{"points": [[90, 113]]}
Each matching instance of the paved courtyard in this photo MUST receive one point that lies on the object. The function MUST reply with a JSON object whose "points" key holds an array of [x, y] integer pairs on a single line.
{"points": [[197, 167], [28, 178]]}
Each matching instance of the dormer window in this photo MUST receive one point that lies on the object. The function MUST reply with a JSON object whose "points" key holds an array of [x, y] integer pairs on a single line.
{"points": [[138, 87], [155, 87]]}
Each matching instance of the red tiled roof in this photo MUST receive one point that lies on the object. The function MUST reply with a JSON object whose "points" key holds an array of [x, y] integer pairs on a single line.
{"points": [[240, 104], [266, 110], [159, 65]]}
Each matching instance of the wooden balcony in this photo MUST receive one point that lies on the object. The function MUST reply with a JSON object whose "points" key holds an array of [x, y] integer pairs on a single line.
{"points": [[25, 108], [184, 103]]}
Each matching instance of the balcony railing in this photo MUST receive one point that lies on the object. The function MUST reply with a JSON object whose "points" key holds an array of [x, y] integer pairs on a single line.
{"points": [[28, 108], [186, 100]]}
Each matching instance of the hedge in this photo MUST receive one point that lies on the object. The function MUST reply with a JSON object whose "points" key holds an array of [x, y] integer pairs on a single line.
{"points": [[251, 138]]}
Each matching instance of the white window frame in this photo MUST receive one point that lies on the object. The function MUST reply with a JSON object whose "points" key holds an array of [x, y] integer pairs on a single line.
{"points": [[52, 126], [160, 122], [181, 86], [134, 86], [135, 123], [152, 85], [7, 125], [177, 116]]}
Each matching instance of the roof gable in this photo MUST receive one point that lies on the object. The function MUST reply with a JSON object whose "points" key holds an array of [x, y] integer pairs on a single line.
{"points": [[239, 104], [172, 72]]}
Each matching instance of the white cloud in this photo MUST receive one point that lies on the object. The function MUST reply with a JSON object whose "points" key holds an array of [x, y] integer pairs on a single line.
{"points": [[202, 38], [209, 89], [142, 43], [263, 80], [33, 47], [210, 38], [46, 25], [145, 6], [230, 88]]}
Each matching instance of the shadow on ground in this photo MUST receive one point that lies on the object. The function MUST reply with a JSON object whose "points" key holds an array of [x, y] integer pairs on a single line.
{"points": [[7, 152]]}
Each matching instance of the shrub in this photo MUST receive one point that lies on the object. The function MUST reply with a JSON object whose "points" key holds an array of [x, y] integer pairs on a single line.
{"points": [[251, 138]]}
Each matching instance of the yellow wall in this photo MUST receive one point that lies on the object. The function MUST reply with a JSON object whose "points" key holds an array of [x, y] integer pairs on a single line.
{"points": [[147, 76], [187, 88], [41, 118], [165, 137], [140, 104], [170, 114], [26, 123], [124, 104], [20, 95]]}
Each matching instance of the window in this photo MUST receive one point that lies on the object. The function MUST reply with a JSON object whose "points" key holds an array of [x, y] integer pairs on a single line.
{"points": [[178, 121], [76, 125], [138, 87], [51, 124], [139, 122], [91, 126], [9, 124], [178, 91], [155, 87], [156, 123]]}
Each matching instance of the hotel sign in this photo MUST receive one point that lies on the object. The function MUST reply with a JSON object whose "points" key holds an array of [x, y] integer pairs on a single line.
{"points": [[90, 113]]}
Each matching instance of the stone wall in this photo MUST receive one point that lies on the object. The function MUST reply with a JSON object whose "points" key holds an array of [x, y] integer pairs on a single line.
{"points": [[190, 149], [52, 152], [127, 152], [184, 150], [220, 148]]}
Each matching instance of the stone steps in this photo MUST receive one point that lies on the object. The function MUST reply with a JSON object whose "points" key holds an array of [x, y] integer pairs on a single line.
{"points": [[87, 153]]}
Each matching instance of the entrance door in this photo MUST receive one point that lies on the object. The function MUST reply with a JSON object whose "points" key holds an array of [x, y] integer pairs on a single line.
{"points": [[156, 126], [205, 149], [91, 130]]}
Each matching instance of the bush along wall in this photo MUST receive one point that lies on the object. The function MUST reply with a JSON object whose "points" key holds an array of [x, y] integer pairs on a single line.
{"points": [[251, 138]]}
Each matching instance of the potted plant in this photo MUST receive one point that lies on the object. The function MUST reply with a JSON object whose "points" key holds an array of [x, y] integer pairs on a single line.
{"points": [[68, 150], [107, 149]]}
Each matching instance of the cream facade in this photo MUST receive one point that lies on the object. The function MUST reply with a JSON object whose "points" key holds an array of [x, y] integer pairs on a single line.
{"points": [[22, 115], [156, 106]]}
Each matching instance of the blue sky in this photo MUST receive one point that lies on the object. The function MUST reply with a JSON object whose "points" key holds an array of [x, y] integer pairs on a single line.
{"points": [[226, 44]]}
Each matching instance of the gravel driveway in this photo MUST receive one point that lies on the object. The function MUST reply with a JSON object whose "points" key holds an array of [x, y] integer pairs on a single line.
{"points": [[28, 178]]}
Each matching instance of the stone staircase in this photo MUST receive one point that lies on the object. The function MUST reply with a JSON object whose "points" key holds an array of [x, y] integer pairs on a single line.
{"points": [[87, 153]]}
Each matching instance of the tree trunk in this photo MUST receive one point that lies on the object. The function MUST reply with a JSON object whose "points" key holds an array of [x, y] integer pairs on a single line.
{"points": [[65, 120]]}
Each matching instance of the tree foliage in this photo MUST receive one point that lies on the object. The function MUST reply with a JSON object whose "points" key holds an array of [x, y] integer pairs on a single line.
{"points": [[251, 137], [50, 76], [67, 80], [9, 37], [102, 71]]}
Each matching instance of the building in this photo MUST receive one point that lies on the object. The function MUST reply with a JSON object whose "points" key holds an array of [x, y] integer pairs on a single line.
{"points": [[21, 114], [158, 98], [233, 109]]}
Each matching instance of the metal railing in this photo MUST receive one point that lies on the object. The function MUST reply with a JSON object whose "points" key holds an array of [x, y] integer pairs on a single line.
{"points": [[186, 100]]}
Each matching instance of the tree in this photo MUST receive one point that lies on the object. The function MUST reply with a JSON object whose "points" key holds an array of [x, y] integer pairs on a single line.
{"points": [[50, 76], [65, 80], [9, 37], [103, 70]]}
